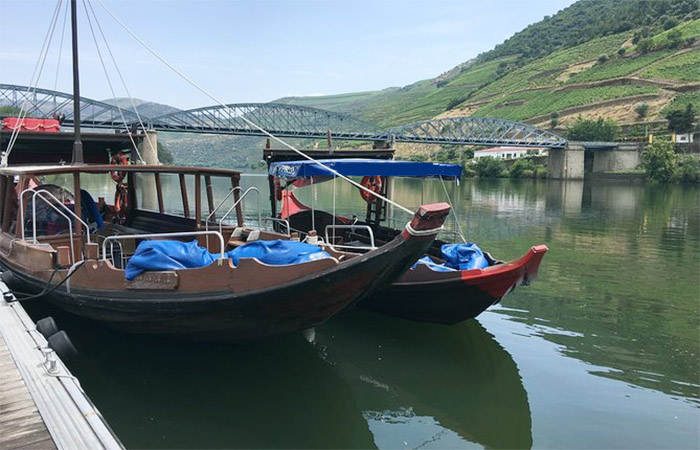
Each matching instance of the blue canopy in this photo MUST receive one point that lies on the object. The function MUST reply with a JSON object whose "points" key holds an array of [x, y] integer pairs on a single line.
{"points": [[357, 167]]}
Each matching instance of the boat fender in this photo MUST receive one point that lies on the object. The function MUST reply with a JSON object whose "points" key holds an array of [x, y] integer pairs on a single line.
{"points": [[253, 236], [7, 277], [62, 345], [374, 184], [47, 327]]}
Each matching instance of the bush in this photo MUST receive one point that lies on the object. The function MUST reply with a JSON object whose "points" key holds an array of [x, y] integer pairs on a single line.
{"points": [[489, 167], [520, 167], [688, 169], [541, 172], [642, 109], [468, 172], [455, 102], [659, 161], [593, 130], [645, 45], [554, 119], [603, 58], [621, 51], [674, 39], [681, 121]]}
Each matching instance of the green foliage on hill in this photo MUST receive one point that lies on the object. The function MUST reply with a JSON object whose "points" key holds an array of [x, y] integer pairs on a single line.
{"points": [[589, 19], [679, 67], [524, 105], [604, 130]]}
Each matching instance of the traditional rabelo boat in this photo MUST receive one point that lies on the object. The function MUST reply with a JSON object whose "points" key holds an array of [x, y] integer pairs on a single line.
{"points": [[441, 289], [81, 261], [124, 262]]}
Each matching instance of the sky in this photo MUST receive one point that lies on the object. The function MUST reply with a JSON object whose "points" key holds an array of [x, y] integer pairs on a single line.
{"points": [[258, 50]]}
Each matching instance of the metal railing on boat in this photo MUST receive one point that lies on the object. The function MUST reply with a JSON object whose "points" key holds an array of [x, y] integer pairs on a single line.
{"points": [[118, 237]]}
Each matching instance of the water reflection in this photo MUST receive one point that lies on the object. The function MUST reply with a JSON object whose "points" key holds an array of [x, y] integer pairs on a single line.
{"points": [[428, 386], [166, 394]]}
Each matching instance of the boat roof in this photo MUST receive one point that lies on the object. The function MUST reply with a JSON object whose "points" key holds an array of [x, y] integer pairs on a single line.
{"points": [[363, 167], [49, 169]]}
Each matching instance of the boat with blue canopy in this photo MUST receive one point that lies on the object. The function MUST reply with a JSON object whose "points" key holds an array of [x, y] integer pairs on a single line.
{"points": [[455, 280]]}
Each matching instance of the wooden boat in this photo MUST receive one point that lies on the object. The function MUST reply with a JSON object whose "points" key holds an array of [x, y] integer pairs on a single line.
{"points": [[421, 293], [48, 247], [83, 269]]}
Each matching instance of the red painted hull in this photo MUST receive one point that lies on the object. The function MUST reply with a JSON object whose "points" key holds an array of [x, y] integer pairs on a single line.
{"points": [[451, 297]]}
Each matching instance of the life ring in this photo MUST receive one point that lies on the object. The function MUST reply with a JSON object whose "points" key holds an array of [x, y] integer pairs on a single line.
{"points": [[118, 159], [374, 184]]}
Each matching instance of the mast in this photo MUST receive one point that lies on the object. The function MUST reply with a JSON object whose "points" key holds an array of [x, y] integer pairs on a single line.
{"points": [[77, 144]]}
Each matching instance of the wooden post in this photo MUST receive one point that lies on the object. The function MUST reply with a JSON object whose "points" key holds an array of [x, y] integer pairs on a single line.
{"points": [[198, 200], [78, 212], [236, 196], [183, 192], [159, 193], [210, 195]]}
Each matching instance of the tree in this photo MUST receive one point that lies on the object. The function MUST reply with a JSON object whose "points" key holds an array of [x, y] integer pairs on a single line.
{"points": [[593, 130], [602, 58], [554, 119], [642, 109], [489, 167], [522, 168], [674, 39], [645, 45], [659, 161], [681, 121]]}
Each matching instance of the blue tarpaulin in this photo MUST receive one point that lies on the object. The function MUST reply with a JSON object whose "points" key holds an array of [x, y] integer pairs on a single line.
{"points": [[357, 167], [457, 257], [167, 255], [175, 255], [277, 253]]}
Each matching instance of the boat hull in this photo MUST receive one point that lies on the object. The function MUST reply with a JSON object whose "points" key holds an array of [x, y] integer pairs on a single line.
{"points": [[231, 316], [451, 297]]}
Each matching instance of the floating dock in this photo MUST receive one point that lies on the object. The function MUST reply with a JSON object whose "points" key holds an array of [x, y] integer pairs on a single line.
{"points": [[42, 405]]}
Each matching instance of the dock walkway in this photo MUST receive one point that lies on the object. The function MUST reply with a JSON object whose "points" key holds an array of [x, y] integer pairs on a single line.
{"points": [[42, 405]]}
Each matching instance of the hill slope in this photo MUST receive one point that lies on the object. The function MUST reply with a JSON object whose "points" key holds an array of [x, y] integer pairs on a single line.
{"points": [[600, 57]]}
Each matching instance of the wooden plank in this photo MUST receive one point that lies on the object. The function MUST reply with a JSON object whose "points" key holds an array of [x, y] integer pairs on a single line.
{"points": [[183, 192], [21, 424]]}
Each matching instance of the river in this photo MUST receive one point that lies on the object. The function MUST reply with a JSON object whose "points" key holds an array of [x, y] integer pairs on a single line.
{"points": [[600, 352]]}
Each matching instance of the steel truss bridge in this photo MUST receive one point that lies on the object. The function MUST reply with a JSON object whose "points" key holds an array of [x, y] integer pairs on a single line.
{"points": [[281, 120]]}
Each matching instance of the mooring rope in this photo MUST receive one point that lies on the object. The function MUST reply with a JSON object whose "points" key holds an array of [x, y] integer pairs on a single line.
{"points": [[245, 119]]}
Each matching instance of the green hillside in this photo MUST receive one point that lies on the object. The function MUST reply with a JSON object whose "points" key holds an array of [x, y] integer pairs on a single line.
{"points": [[596, 57]]}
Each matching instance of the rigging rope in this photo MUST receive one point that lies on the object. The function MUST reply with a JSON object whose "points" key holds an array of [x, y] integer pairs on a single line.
{"points": [[245, 119], [109, 82], [121, 77], [38, 68], [60, 46]]}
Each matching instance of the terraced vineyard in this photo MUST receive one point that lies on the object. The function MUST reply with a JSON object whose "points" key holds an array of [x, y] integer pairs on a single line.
{"points": [[605, 76], [526, 105]]}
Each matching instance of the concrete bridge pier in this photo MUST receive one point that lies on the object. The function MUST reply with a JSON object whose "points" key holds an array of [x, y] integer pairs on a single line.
{"points": [[148, 147], [582, 159], [567, 163]]}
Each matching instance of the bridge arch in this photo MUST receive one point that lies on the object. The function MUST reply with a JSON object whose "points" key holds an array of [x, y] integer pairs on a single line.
{"points": [[477, 131], [45, 103], [279, 119], [284, 120]]}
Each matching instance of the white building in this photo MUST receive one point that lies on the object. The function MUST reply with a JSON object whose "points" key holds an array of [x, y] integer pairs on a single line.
{"points": [[508, 152]]}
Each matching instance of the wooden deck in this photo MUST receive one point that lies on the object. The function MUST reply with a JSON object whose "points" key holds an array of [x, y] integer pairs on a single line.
{"points": [[21, 424]]}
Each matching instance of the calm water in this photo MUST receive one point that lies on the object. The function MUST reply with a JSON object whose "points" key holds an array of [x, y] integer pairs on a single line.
{"points": [[602, 351]]}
